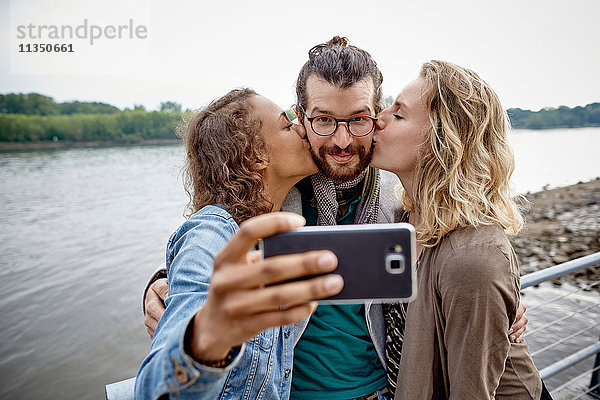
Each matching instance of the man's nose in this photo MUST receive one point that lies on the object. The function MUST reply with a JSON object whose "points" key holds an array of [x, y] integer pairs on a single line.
{"points": [[342, 136]]}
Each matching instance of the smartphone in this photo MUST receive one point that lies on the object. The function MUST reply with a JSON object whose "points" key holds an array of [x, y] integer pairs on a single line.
{"points": [[377, 261]]}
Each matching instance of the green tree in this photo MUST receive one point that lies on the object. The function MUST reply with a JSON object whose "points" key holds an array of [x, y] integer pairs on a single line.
{"points": [[388, 101], [32, 103], [291, 113], [170, 106], [79, 107], [561, 117]]}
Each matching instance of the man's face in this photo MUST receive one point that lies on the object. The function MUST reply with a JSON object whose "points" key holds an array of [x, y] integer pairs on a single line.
{"points": [[340, 156]]}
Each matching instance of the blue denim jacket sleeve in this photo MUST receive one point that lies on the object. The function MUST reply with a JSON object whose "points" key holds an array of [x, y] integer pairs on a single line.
{"points": [[190, 253]]}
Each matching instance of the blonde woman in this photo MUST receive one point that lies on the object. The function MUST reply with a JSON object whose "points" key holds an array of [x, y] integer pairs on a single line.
{"points": [[445, 137]]}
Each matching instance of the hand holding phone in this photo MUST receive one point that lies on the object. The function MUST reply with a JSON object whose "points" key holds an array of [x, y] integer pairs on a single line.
{"points": [[377, 261]]}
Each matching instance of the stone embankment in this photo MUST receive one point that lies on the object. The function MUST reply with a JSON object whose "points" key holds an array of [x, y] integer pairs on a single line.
{"points": [[562, 224]]}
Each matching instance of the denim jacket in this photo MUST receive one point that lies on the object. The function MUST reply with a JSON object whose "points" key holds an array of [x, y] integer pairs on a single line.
{"points": [[262, 367]]}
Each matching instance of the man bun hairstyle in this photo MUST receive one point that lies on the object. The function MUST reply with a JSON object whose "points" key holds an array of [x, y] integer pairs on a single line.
{"points": [[342, 65]]}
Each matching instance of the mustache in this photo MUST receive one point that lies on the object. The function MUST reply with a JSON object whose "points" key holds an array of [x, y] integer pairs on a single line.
{"points": [[336, 150]]}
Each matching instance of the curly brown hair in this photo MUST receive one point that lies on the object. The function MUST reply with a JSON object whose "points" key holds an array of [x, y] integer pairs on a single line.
{"points": [[224, 152]]}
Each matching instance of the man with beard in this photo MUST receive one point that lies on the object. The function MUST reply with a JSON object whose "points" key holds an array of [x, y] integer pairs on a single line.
{"points": [[340, 351]]}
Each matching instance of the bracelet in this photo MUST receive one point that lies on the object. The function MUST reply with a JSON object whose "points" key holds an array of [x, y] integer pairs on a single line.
{"points": [[219, 363]]}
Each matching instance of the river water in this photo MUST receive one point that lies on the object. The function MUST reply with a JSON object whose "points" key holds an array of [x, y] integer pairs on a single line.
{"points": [[83, 228]]}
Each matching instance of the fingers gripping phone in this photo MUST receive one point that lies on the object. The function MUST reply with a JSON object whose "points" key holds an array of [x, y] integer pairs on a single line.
{"points": [[377, 261]]}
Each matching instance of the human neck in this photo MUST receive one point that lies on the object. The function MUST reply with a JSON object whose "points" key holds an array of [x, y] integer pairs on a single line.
{"points": [[415, 217], [277, 189], [408, 186]]}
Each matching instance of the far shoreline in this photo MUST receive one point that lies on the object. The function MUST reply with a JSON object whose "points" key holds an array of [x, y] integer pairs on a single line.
{"points": [[7, 146], [97, 143]]}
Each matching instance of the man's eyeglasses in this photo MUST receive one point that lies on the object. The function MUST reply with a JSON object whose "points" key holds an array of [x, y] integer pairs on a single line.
{"points": [[326, 125]]}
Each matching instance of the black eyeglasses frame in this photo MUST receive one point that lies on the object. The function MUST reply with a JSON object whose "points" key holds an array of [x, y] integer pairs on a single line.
{"points": [[337, 122]]}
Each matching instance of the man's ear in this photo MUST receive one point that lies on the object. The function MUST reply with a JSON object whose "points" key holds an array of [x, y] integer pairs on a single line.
{"points": [[300, 122]]}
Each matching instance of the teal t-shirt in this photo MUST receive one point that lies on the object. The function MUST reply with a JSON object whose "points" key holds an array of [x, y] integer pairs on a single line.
{"points": [[336, 358]]}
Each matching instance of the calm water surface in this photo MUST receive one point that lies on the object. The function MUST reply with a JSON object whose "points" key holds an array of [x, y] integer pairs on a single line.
{"points": [[82, 229], [555, 157]]}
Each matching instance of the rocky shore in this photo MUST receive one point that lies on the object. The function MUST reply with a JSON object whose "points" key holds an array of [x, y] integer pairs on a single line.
{"points": [[561, 224]]}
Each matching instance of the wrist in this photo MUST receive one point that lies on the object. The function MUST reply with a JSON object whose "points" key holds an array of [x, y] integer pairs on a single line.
{"points": [[221, 363], [204, 345]]}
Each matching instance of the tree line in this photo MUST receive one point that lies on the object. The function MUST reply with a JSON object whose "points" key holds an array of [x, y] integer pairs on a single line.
{"points": [[34, 117], [561, 117], [548, 117]]}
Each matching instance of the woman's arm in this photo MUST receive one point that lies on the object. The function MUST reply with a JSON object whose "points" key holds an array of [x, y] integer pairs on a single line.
{"points": [[205, 322], [190, 253], [479, 294]]}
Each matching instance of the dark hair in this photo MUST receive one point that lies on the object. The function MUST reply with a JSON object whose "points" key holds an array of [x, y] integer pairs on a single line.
{"points": [[341, 65], [224, 149]]}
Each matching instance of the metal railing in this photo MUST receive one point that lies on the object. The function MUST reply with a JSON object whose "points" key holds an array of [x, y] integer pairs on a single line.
{"points": [[591, 391], [559, 270], [124, 390]]}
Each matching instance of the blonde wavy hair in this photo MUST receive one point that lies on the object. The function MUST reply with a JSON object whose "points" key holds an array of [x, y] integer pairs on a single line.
{"points": [[463, 172], [224, 149]]}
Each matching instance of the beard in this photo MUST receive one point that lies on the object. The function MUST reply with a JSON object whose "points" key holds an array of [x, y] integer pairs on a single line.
{"points": [[342, 172]]}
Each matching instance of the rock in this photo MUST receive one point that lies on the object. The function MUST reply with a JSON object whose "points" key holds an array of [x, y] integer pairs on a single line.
{"points": [[537, 250], [561, 224], [559, 259]]}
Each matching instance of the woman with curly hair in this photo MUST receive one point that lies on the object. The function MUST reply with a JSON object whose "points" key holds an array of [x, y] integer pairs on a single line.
{"points": [[227, 322], [446, 138]]}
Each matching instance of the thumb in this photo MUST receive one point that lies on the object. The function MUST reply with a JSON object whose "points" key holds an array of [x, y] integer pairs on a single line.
{"points": [[161, 287]]}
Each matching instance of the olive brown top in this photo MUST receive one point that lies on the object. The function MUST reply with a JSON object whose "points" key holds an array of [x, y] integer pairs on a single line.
{"points": [[456, 344]]}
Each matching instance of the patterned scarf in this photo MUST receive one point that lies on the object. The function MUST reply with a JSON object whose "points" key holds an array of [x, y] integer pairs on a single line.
{"points": [[395, 320], [329, 195]]}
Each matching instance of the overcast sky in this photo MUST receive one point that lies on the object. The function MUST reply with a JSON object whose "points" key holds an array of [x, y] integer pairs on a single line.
{"points": [[534, 53]]}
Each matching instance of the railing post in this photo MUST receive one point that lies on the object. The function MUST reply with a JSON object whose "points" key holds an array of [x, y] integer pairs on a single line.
{"points": [[595, 381]]}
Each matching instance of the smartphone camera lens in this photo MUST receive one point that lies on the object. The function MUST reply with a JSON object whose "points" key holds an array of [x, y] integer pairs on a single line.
{"points": [[394, 263]]}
